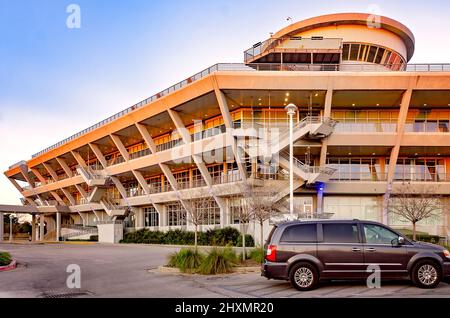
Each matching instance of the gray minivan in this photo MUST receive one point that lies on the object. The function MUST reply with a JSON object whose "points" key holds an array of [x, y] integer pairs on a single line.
{"points": [[306, 252]]}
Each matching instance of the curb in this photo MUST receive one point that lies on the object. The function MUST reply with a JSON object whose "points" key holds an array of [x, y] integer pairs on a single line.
{"points": [[9, 267], [236, 270], [76, 243]]}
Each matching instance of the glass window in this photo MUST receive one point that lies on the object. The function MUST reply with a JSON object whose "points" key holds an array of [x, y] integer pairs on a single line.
{"points": [[151, 217], [345, 51], [340, 233], [376, 234], [354, 52], [300, 233], [379, 55], [372, 52]]}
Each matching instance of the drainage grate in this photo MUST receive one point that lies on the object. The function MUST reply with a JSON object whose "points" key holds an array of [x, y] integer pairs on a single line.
{"points": [[66, 293]]}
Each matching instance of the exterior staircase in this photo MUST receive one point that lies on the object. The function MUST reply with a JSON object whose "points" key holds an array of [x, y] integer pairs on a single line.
{"points": [[267, 145], [112, 208], [93, 178], [77, 231], [308, 173]]}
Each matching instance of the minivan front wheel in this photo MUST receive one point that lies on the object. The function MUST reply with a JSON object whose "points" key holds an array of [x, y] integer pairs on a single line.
{"points": [[304, 276], [426, 274]]}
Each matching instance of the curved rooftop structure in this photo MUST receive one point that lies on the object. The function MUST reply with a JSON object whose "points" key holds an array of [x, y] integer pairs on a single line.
{"points": [[340, 38]]}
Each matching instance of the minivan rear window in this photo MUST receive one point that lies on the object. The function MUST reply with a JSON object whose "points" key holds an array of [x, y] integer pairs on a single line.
{"points": [[304, 233], [340, 233]]}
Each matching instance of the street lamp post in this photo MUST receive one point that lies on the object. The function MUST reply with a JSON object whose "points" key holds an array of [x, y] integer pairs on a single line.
{"points": [[10, 228], [291, 110]]}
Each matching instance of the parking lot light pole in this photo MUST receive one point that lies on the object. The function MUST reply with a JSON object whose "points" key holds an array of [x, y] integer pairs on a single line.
{"points": [[10, 228], [291, 110]]}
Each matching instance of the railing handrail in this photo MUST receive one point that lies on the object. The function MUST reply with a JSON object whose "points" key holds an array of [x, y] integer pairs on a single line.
{"points": [[230, 67]]}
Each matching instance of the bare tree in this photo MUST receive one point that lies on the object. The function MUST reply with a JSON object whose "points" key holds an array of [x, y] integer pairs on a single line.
{"points": [[416, 204], [196, 204], [261, 204]]}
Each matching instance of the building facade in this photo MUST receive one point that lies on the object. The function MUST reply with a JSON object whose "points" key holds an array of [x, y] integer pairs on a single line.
{"points": [[367, 123]]}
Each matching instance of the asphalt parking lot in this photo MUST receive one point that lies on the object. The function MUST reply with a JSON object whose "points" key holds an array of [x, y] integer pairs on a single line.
{"points": [[130, 271]]}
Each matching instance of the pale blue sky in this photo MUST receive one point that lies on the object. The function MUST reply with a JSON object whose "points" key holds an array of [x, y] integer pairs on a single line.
{"points": [[56, 81]]}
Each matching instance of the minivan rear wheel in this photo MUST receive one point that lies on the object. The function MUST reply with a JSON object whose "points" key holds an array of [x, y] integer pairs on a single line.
{"points": [[426, 274], [304, 276]]}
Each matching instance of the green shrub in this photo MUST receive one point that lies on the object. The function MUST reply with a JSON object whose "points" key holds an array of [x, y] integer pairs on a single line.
{"points": [[93, 238], [218, 261], [216, 237], [249, 242], [425, 238], [5, 259], [187, 260], [257, 255]]}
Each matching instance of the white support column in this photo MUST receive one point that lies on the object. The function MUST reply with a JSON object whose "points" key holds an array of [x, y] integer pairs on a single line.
{"points": [[33, 228], [123, 151], [41, 227], [99, 155], [2, 226], [58, 226]]}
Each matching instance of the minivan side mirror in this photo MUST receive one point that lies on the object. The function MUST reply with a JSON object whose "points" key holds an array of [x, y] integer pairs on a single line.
{"points": [[398, 241]]}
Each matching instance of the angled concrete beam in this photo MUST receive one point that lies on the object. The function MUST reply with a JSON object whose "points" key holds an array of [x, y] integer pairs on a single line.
{"points": [[181, 129], [79, 159], [169, 176], [99, 155], [69, 196], [141, 180], [120, 187], [146, 136], [57, 197], [38, 175], [24, 172], [65, 167], [225, 111], [403, 115], [326, 114], [223, 105], [50, 171], [16, 184], [83, 193], [123, 151]]}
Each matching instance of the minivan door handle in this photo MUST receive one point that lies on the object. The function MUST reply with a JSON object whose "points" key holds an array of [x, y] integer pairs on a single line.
{"points": [[356, 249], [370, 249]]}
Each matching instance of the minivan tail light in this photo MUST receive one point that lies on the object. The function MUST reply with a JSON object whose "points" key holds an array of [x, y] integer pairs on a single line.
{"points": [[271, 254]]}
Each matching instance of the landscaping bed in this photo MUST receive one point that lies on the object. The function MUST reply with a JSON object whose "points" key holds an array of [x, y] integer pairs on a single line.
{"points": [[6, 262], [215, 262]]}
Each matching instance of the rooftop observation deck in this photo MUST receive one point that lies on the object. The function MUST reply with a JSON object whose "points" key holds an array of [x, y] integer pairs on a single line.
{"points": [[240, 67]]}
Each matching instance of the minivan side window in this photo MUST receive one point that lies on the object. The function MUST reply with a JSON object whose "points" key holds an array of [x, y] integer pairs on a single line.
{"points": [[340, 233], [376, 234], [304, 233]]}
